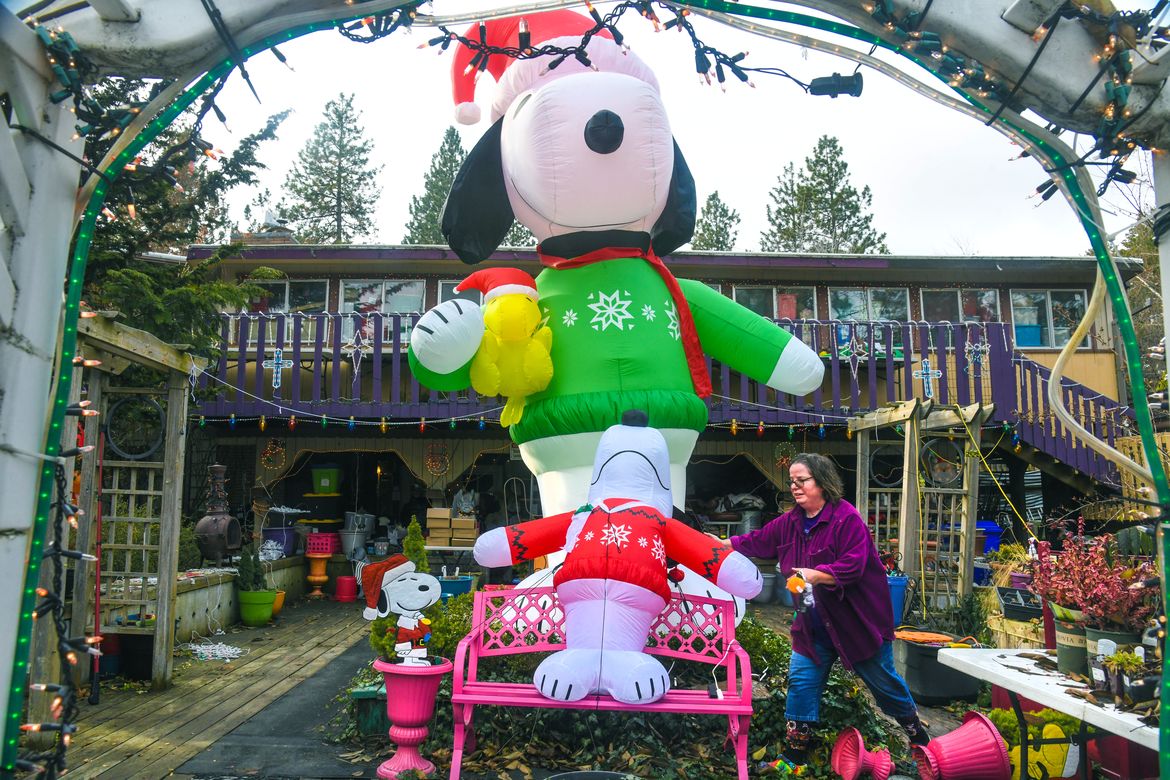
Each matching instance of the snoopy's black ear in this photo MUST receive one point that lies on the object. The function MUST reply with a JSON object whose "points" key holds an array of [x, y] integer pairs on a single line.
{"points": [[676, 225], [477, 215]]}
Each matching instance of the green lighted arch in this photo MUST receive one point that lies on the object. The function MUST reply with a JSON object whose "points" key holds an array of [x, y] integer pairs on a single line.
{"points": [[151, 130]]}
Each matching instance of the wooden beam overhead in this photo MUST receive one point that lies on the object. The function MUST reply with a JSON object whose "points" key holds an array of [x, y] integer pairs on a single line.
{"points": [[135, 345], [891, 415]]}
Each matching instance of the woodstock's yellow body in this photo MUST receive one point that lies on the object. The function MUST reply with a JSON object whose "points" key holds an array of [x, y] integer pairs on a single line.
{"points": [[513, 357]]}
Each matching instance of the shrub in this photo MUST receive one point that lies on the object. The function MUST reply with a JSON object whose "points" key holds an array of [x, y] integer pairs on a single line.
{"points": [[414, 547], [249, 571]]}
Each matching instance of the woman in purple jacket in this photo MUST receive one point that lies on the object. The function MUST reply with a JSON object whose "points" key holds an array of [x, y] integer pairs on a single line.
{"points": [[825, 541]]}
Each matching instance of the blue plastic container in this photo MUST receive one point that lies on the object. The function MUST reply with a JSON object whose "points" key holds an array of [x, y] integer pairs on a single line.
{"points": [[992, 535], [454, 586], [898, 596]]}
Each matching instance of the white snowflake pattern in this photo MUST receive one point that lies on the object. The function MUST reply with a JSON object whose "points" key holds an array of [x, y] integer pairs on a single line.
{"points": [[658, 551], [617, 535], [648, 313], [672, 320], [569, 318], [642, 541], [588, 536], [611, 310]]}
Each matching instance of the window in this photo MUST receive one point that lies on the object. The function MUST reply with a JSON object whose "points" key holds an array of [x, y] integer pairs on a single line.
{"points": [[790, 303], [960, 305], [307, 296], [288, 296], [873, 303], [447, 293], [390, 296], [758, 299], [1046, 318]]}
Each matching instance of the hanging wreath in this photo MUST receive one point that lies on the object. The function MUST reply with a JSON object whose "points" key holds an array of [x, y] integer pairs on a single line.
{"points": [[273, 456], [436, 460], [782, 454]]}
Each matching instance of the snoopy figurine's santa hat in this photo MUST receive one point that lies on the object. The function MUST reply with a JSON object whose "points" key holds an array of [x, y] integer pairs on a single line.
{"points": [[376, 575], [561, 28], [494, 282]]}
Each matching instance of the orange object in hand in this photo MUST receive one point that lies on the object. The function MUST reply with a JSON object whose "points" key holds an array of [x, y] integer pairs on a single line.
{"points": [[795, 583]]}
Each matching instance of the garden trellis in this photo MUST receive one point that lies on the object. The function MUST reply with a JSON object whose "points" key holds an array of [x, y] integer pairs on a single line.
{"points": [[1086, 83]]}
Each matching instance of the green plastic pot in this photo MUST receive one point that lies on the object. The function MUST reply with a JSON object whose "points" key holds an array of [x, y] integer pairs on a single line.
{"points": [[1071, 655], [1126, 641], [256, 606]]}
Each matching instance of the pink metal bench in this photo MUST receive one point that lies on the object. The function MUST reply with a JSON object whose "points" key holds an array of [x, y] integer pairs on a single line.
{"points": [[507, 622]]}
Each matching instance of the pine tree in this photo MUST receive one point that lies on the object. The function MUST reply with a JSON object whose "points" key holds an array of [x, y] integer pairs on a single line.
{"points": [[818, 210], [717, 226], [426, 209], [332, 187], [518, 235]]}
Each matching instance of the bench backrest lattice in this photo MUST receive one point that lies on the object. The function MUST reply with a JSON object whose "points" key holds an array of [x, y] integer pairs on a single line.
{"points": [[532, 621]]}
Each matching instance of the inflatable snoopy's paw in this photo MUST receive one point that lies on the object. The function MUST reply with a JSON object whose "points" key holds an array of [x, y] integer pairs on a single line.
{"points": [[633, 677], [447, 336], [569, 675]]}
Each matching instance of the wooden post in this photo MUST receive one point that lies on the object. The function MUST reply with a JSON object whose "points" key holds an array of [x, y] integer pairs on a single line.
{"points": [[971, 467], [88, 502], [863, 473], [908, 518], [168, 544]]}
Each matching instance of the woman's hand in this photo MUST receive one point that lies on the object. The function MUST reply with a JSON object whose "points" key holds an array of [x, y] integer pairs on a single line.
{"points": [[815, 576], [724, 542]]}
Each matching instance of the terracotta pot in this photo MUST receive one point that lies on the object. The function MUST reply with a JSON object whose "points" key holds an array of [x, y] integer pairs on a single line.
{"points": [[410, 703]]}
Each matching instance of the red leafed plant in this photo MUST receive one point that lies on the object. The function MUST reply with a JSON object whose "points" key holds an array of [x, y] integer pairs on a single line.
{"points": [[1092, 576]]}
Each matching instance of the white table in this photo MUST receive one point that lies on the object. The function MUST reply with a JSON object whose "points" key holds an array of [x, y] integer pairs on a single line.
{"points": [[453, 556], [1003, 668]]}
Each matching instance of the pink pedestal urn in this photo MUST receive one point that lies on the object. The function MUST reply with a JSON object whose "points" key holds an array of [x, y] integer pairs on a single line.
{"points": [[410, 703]]}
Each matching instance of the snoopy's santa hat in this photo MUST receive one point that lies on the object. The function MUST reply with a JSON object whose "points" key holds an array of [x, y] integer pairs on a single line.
{"points": [[494, 282], [559, 27], [375, 575]]}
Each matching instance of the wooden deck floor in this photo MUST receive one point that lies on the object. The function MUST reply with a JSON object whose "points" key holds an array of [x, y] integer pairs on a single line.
{"points": [[150, 735]]}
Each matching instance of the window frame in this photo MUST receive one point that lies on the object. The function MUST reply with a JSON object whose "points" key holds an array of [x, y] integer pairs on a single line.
{"points": [[735, 288], [286, 282], [1090, 339], [455, 283], [958, 291]]}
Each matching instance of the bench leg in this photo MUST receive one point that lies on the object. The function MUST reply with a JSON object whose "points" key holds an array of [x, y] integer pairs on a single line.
{"points": [[464, 737], [737, 735]]}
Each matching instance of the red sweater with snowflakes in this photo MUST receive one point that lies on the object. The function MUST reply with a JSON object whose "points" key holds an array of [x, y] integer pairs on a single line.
{"points": [[619, 539]]}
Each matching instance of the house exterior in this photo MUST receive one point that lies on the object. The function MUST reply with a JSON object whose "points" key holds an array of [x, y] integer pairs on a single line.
{"points": [[319, 364]]}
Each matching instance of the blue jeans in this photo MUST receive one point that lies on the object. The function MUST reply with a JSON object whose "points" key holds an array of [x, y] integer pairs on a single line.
{"points": [[807, 680]]}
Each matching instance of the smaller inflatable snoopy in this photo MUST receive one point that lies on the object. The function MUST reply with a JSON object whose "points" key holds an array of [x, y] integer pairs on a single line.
{"points": [[613, 583], [393, 587]]}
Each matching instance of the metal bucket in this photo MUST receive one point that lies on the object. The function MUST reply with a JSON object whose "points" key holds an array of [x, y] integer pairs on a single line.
{"points": [[752, 520]]}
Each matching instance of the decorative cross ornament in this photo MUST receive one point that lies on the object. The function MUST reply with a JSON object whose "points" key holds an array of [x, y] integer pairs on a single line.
{"points": [[278, 364], [927, 375]]}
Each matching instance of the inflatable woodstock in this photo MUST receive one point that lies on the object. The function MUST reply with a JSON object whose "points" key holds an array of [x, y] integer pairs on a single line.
{"points": [[585, 159], [613, 583]]}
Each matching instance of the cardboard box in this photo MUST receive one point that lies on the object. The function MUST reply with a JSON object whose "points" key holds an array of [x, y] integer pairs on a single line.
{"points": [[439, 512], [463, 523], [438, 523], [462, 541], [439, 541]]}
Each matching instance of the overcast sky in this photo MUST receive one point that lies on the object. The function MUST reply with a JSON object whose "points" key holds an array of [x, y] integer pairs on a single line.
{"points": [[942, 183]]}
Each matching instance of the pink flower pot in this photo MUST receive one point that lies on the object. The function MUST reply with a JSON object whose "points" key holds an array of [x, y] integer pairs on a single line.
{"points": [[851, 760], [410, 703], [974, 751]]}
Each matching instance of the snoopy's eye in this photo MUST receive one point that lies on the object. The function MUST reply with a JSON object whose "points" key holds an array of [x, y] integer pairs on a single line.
{"points": [[520, 104]]}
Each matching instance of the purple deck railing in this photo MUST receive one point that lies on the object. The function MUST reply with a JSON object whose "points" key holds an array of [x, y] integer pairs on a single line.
{"points": [[867, 365]]}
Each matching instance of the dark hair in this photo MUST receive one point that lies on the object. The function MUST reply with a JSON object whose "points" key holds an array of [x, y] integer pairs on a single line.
{"points": [[824, 473]]}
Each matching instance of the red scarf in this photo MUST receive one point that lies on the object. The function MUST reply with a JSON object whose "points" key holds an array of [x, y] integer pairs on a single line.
{"points": [[700, 377]]}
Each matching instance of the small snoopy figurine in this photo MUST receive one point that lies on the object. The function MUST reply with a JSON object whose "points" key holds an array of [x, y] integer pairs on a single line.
{"points": [[393, 587]]}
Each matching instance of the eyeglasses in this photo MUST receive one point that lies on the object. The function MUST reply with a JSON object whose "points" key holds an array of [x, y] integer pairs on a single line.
{"points": [[799, 482]]}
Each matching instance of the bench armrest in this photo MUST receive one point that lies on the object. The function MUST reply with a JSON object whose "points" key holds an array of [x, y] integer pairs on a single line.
{"points": [[739, 672]]}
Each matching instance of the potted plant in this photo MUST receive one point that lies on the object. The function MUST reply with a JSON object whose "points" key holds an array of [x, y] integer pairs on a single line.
{"points": [[255, 597], [1010, 559], [1115, 604], [1131, 677], [1060, 580]]}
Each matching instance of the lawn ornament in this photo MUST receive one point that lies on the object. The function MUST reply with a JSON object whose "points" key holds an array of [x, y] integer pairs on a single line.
{"points": [[513, 358], [586, 160], [613, 583], [393, 587]]}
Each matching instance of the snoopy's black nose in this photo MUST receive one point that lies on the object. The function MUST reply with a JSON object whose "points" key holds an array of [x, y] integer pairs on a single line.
{"points": [[604, 132]]}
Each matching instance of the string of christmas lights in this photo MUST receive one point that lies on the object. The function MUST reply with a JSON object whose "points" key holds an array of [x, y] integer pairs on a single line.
{"points": [[50, 764]]}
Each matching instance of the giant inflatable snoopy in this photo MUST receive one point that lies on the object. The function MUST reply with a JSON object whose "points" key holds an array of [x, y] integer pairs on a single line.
{"points": [[586, 160], [613, 583]]}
